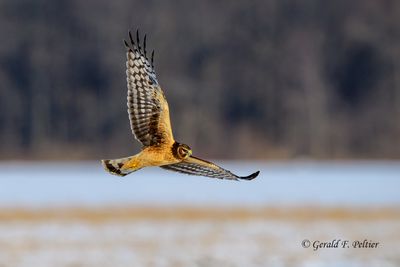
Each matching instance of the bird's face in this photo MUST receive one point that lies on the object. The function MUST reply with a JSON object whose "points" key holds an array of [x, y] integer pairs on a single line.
{"points": [[184, 151]]}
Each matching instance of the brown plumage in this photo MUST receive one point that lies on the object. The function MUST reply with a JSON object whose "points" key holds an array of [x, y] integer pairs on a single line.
{"points": [[150, 123]]}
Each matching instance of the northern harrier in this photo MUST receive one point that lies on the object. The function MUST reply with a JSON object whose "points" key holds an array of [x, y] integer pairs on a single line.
{"points": [[150, 123]]}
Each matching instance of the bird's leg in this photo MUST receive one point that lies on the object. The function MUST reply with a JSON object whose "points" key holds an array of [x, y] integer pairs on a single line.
{"points": [[133, 164]]}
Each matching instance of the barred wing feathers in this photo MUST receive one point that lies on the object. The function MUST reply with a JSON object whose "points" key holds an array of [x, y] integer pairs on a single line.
{"points": [[147, 106], [196, 166]]}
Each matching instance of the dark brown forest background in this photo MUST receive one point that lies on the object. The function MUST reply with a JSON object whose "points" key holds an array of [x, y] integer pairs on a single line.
{"points": [[245, 79]]}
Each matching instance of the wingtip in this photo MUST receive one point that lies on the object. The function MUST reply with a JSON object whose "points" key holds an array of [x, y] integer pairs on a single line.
{"points": [[138, 40], [251, 176], [132, 43], [126, 44]]}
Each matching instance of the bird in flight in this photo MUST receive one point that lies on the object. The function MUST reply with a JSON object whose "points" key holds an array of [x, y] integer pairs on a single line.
{"points": [[150, 123]]}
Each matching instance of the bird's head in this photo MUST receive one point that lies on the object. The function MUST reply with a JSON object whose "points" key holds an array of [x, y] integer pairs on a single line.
{"points": [[181, 151]]}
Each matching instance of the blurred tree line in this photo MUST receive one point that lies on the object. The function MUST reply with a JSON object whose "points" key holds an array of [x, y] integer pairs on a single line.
{"points": [[244, 79]]}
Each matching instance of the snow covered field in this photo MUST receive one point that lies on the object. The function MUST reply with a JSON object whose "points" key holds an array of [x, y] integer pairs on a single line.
{"points": [[365, 183], [75, 215], [196, 237]]}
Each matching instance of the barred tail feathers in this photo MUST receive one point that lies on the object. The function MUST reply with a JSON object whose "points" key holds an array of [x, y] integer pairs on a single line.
{"points": [[116, 166]]}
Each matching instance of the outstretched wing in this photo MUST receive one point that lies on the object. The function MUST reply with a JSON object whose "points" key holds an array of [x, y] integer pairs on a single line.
{"points": [[147, 106], [196, 166]]}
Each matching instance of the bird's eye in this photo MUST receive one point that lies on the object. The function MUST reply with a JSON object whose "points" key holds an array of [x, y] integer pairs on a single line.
{"points": [[183, 151]]}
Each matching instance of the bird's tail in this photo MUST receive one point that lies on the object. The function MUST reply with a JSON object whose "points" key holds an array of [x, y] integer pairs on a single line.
{"points": [[118, 166]]}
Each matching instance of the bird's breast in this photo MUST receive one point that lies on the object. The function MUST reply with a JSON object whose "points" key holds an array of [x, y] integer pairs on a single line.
{"points": [[157, 156]]}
